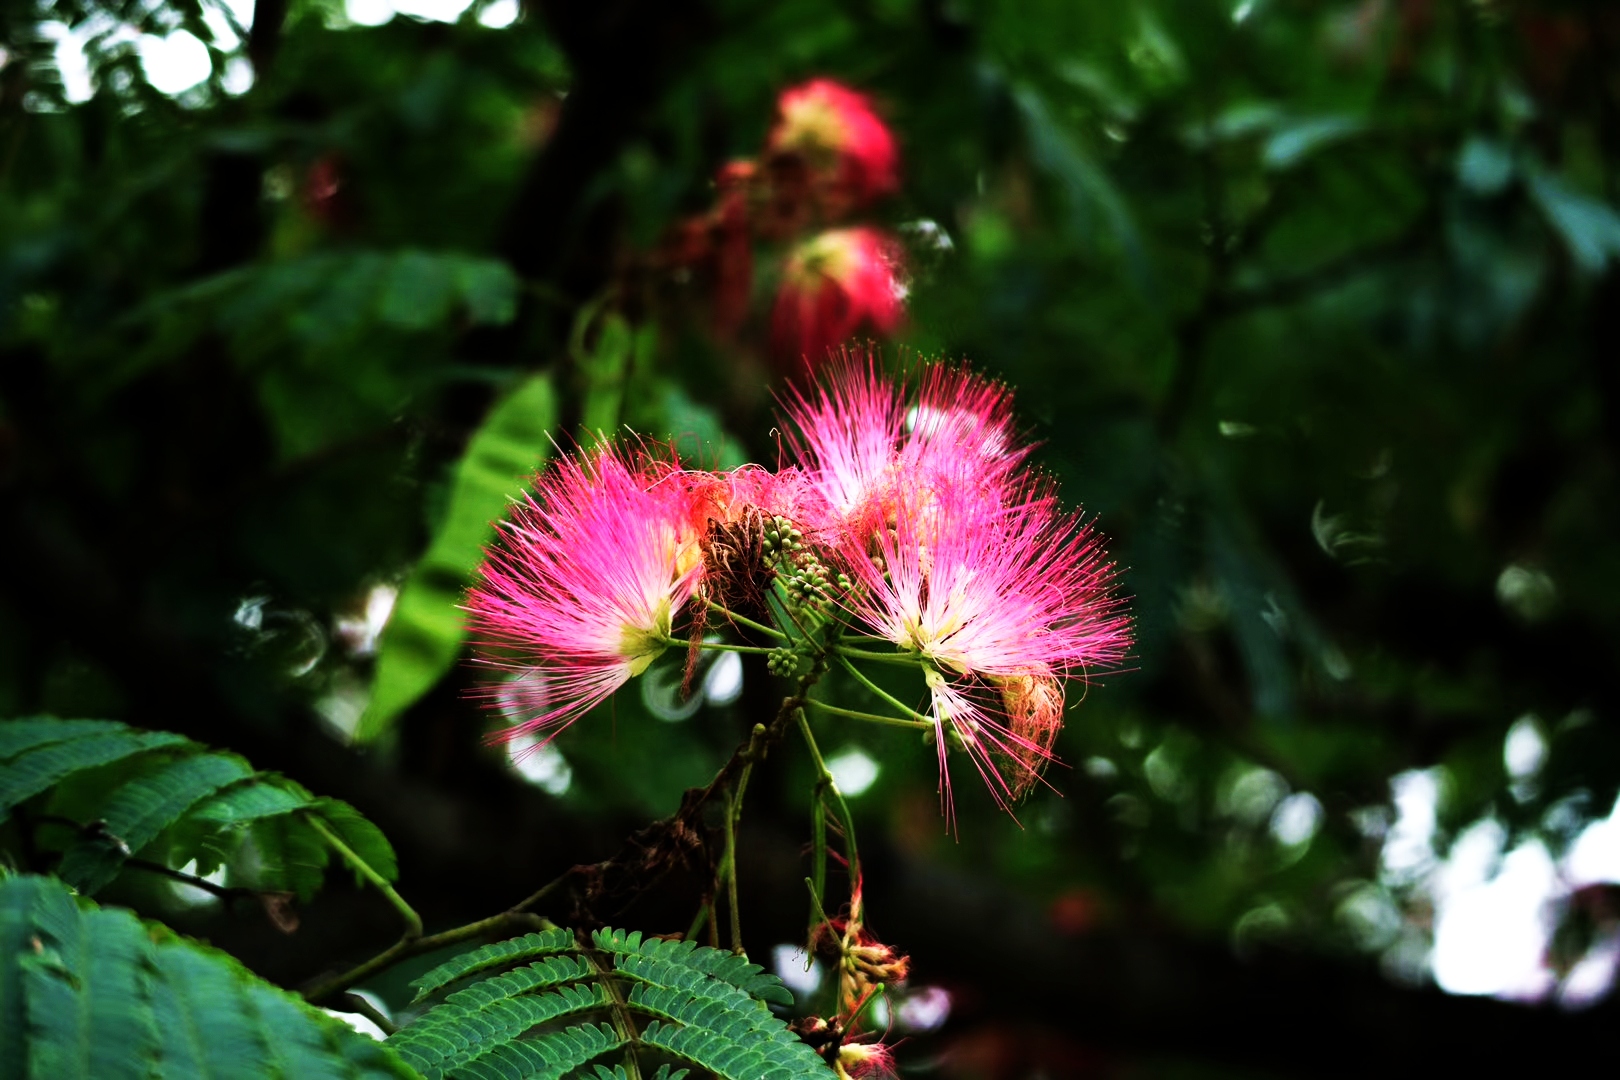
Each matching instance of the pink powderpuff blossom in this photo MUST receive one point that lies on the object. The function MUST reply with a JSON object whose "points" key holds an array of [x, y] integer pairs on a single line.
{"points": [[846, 430], [960, 556], [838, 131], [834, 286], [586, 581], [864, 1061], [1004, 596], [858, 432]]}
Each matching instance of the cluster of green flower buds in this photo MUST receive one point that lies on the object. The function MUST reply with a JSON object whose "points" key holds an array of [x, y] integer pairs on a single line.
{"points": [[809, 585], [783, 662]]}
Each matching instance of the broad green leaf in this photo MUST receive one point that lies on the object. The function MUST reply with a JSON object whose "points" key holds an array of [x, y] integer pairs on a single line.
{"points": [[19, 735], [33, 771], [545, 1018], [361, 836], [1588, 227], [89, 1007], [93, 993], [292, 855], [141, 809], [424, 635]]}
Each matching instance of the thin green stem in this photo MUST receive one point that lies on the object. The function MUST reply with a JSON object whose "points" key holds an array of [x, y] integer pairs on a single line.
{"points": [[516, 919], [787, 609], [909, 659], [743, 620], [818, 852], [818, 914], [829, 787], [882, 693], [406, 948], [729, 871], [871, 718], [698, 920], [354, 1003], [624, 1025], [413, 921], [720, 646]]}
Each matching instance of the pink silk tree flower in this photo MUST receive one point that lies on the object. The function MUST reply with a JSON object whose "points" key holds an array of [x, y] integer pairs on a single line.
{"points": [[963, 423], [839, 134], [585, 582], [834, 286], [1004, 597], [864, 1061], [845, 430], [857, 430]]}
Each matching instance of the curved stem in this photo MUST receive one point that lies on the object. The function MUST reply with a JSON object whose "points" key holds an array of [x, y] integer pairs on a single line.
{"points": [[871, 718], [733, 815], [910, 659], [884, 694], [743, 620], [413, 921], [827, 786], [354, 1003], [720, 646], [407, 948]]}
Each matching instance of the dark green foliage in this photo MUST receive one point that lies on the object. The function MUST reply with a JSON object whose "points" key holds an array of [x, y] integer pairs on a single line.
{"points": [[92, 993], [544, 1004], [1314, 305], [131, 792], [499, 954]]}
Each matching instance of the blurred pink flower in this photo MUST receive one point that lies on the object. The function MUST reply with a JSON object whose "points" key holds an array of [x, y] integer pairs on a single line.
{"points": [[834, 286], [838, 132]]}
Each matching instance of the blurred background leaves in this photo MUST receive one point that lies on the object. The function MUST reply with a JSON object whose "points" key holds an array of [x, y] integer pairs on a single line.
{"points": [[1315, 306]]}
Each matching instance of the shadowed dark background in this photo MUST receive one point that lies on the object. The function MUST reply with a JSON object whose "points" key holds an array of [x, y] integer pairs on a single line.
{"points": [[1316, 308]]}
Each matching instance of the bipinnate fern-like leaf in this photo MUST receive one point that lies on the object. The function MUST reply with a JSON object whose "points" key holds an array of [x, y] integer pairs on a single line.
{"points": [[94, 993], [552, 1007], [124, 792]]}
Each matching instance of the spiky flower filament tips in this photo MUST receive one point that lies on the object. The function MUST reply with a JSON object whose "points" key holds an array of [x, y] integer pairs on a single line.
{"points": [[590, 572], [909, 519]]}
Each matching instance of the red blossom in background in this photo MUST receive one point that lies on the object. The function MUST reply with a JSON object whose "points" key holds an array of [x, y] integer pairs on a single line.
{"points": [[839, 134], [835, 286], [827, 155]]}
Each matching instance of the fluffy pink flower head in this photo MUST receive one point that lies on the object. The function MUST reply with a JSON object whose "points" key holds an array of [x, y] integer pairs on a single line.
{"points": [[1004, 596], [864, 1061], [866, 440], [586, 581], [960, 557], [837, 129], [834, 286]]}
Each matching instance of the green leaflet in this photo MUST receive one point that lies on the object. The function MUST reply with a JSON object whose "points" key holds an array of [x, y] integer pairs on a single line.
{"points": [[36, 769], [502, 954], [544, 1005], [424, 634], [174, 800], [19, 735], [141, 809], [95, 993]]}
